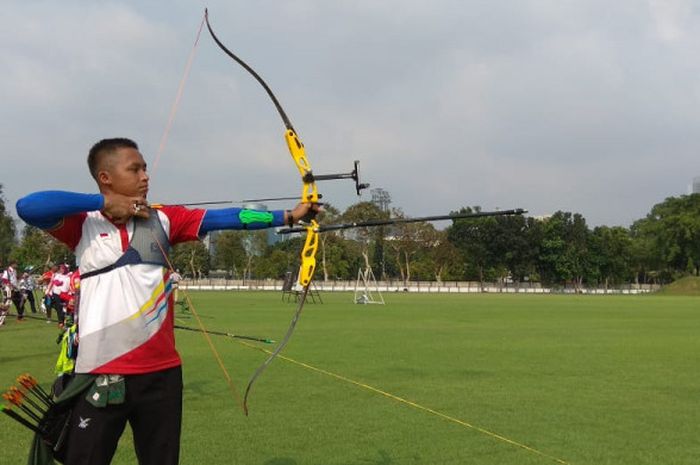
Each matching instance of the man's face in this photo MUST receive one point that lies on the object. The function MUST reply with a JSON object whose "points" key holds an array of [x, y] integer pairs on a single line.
{"points": [[124, 172]]}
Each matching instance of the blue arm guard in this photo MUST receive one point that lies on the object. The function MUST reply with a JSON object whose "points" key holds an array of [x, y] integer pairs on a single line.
{"points": [[240, 218], [46, 209]]}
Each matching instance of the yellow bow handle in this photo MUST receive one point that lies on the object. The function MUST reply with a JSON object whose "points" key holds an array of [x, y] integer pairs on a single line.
{"points": [[309, 192], [308, 254]]}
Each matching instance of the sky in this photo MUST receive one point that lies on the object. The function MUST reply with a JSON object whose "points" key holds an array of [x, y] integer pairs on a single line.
{"points": [[587, 106]]}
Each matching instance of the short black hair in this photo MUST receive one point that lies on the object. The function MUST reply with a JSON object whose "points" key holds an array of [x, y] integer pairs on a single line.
{"points": [[106, 147]]}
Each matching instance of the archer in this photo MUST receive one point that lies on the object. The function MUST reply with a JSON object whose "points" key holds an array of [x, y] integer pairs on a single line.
{"points": [[127, 368]]}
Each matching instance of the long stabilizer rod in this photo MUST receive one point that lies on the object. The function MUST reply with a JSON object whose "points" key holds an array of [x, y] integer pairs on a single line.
{"points": [[373, 223]]}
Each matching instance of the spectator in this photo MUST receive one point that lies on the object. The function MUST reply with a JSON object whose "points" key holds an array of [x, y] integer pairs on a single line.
{"points": [[26, 286], [11, 285], [60, 287], [46, 281], [175, 278], [5, 303]]}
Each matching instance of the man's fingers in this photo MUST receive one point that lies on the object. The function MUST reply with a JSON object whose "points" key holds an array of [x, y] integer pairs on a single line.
{"points": [[306, 212], [140, 209]]}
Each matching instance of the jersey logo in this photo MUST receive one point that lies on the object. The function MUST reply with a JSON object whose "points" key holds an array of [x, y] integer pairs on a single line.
{"points": [[83, 422]]}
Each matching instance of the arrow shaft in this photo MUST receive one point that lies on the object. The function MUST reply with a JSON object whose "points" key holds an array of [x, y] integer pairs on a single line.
{"points": [[223, 202], [21, 420]]}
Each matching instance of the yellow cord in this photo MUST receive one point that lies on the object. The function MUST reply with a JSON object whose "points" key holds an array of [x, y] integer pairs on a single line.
{"points": [[203, 329], [415, 405]]}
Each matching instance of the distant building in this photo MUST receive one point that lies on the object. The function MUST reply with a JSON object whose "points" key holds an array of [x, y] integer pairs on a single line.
{"points": [[696, 185], [272, 236], [381, 199]]}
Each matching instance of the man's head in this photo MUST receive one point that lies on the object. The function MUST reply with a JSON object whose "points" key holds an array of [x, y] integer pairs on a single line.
{"points": [[118, 166]]}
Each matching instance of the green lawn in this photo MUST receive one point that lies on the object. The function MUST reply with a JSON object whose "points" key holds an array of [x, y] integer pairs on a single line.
{"points": [[494, 379]]}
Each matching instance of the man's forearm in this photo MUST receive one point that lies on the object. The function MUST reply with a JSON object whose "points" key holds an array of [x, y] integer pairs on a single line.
{"points": [[240, 218], [45, 209]]}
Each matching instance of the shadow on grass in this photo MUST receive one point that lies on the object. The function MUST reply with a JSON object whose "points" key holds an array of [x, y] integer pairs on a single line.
{"points": [[197, 387], [384, 458], [281, 461]]}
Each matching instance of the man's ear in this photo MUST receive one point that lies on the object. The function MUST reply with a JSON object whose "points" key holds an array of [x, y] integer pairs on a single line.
{"points": [[103, 178]]}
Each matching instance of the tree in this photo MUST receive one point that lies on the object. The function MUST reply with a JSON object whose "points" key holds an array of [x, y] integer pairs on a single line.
{"points": [[329, 215], [644, 259], [274, 264], [514, 246], [230, 253], [8, 232], [255, 245], [407, 240], [672, 232], [564, 250], [611, 251], [191, 257], [38, 249], [438, 259], [371, 238], [472, 238], [342, 257]]}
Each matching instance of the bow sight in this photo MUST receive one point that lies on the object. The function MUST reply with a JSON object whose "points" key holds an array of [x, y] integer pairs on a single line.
{"points": [[309, 177]]}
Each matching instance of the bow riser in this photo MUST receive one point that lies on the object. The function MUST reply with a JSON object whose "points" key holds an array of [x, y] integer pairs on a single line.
{"points": [[308, 254], [309, 191]]}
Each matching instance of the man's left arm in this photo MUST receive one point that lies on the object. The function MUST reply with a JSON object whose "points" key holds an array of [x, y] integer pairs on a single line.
{"points": [[192, 224], [188, 225]]}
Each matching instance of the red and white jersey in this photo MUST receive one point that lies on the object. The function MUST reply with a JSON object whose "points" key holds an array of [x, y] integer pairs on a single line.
{"points": [[60, 283], [9, 277], [126, 314]]}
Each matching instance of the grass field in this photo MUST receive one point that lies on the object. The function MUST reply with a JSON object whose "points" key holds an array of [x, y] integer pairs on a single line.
{"points": [[493, 379]]}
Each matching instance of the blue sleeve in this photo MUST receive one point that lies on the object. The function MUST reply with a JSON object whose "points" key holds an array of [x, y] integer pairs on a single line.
{"points": [[46, 209], [240, 218]]}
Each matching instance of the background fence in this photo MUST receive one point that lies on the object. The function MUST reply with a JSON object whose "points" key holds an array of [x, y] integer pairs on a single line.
{"points": [[456, 287]]}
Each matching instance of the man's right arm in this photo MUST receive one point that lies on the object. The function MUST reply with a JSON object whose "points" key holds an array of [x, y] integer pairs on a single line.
{"points": [[46, 209]]}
